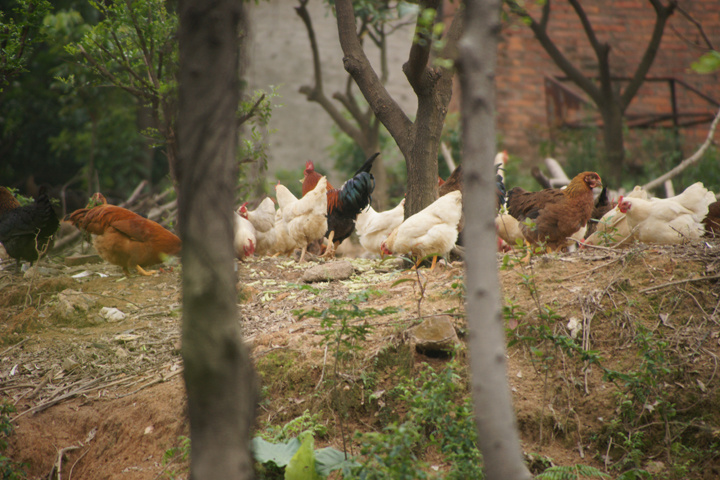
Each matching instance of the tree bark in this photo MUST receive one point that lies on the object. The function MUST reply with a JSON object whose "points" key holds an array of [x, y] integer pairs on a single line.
{"points": [[614, 140], [219, 377], [497, 433]]}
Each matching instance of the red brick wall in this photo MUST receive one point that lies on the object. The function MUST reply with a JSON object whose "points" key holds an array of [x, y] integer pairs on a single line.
{"points": [[627, 25]]}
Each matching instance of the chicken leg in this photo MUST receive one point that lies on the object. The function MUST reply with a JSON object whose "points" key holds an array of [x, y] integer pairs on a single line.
{"points": [[147, 273], [330, 250]]}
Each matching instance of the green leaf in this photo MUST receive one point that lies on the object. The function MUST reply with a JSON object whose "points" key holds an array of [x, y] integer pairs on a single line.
{"points": [[302, 464], [278, 453], [708, 63], [329, 459]]}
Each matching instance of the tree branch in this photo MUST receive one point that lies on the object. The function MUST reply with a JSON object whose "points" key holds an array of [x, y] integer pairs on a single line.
{"points": [[691, 160], [247, 116], [357, 64], [115, 81], [662, 13], [316, 93], [589, 32], [302, 12], [417, 63], [147, 55], [698, 25], [540, 31]]}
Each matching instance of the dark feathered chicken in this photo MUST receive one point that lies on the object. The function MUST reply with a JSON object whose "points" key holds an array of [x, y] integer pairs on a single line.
{"points": [[26, 231], [345, 203]]}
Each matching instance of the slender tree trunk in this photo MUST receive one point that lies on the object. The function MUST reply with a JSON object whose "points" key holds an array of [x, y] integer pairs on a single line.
{"points": [[422, 163], [497, 433], [221, 385], [613, 138]]}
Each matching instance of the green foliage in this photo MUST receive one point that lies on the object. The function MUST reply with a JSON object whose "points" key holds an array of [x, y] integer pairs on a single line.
{"points": [[20, 29], [708, 62], [574, 472], [338, 324], [440, 416], [9, 469], [133, 47], [306, 422], [298, 458]]}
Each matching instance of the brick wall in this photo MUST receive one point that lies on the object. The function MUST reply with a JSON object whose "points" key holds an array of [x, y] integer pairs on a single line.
{"points": [[627, 25]]}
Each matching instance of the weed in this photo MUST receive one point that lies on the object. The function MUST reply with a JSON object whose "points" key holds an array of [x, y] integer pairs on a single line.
{"points": [[440, 416], [178, 453], [339, 327], [9, 469], [573, 472]]}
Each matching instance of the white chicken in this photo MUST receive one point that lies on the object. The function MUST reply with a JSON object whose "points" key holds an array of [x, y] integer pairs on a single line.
{"points": [[373, 227], [668, 220], [508, 228], [284, 245], [244, 241], [263, 219], [613, 226], [432, 230], [306, 218]]}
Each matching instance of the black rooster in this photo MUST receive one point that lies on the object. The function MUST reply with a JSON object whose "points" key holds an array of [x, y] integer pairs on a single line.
{"points": [[345, 203], [26, 231]]}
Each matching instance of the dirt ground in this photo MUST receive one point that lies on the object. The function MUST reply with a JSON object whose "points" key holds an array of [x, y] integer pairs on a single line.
{"points": [[107, 395]]}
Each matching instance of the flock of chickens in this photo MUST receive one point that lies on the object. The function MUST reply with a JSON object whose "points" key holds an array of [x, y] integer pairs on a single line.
{"points": [[557, 218], [324, 216]]}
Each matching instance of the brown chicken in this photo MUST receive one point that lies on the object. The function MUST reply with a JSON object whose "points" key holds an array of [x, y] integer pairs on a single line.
{"points": [[712, 220], [7, 201], [556, 213], [125, 238]]}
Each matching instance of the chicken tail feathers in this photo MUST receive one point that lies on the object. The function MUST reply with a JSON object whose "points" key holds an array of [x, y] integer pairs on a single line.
{"points": [[367, 165], [500, 187], [354, 196]]}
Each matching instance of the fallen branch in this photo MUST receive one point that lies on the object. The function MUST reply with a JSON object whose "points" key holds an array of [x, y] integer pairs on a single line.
{"points": [[13, 347], [678, 282], [693, 159], [57, 467]]}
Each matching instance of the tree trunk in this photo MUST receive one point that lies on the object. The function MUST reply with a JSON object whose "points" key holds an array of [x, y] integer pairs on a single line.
{"points": [[422, 163], [613, 138], [219, 377], [497, 433]]}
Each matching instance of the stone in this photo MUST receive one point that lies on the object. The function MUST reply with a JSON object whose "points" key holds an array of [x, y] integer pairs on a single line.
{"points": [[82, 260], [327, 272], [71, 301], [435, 335]]}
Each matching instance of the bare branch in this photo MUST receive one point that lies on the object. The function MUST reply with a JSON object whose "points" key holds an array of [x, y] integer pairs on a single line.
{"points": [[691, 160], [663, 13], [316, 93], [417, 63], [589, 32], [357, 64], [302, 12], [697, 24], [540, 31]]}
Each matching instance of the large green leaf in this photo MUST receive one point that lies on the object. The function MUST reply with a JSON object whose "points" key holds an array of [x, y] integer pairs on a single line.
{"points": [[329, 459], [278, 453], [302, 464]]}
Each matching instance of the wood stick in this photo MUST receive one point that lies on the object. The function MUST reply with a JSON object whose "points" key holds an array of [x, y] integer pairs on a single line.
{"points": [[678, 282]]}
